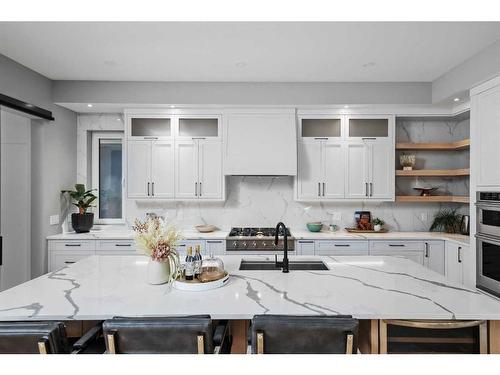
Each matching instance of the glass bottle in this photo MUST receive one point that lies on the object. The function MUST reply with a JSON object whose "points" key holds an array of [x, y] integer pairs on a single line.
{"points": [[189, 271], [197, 261]]}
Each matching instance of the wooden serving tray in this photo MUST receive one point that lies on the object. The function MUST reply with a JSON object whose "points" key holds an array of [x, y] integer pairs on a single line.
{"points": [[354, 230]]}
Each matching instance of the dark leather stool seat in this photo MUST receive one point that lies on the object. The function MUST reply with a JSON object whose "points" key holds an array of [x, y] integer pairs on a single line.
{"points": [[289, 334], [40, 337], [166, 335]]}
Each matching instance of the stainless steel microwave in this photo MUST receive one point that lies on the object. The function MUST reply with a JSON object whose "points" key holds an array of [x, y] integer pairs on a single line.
{"points": [[488, 213]]}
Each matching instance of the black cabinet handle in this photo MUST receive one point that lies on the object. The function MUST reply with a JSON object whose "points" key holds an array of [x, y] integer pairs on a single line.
{"points": [[458, 254], [153, 189], [396, 245], [72, 244], [321, 138], [426, 250], [123, 244], [306, 241], [342, 245], [148, 189], [68, 262], [213, 241]]}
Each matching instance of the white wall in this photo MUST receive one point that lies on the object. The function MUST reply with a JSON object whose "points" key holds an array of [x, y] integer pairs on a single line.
{"points": [[53, 152]]}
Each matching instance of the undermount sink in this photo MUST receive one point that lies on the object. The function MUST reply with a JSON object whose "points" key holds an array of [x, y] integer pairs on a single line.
{"points": [[263, 265]]}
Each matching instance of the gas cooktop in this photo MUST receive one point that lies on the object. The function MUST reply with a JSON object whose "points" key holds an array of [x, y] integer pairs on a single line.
{"points": [[256, 232]]}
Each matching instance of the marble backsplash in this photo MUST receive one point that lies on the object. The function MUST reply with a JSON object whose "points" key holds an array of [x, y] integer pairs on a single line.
{"points": [[263, 201]]}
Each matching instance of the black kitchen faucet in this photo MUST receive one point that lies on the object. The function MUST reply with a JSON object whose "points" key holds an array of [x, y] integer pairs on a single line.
{"points": [[284, 264]]}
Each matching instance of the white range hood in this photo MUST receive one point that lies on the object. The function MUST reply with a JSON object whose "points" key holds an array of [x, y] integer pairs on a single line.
{"points": [[261, 143]]}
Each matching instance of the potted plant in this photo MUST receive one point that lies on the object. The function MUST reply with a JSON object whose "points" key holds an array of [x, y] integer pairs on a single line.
{"points": [[378, 224], [447, 220], [83, 220], [158, 240]]}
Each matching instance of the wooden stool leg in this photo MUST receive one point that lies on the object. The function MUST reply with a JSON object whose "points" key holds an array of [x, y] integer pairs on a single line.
{"points": [[383, 336]]}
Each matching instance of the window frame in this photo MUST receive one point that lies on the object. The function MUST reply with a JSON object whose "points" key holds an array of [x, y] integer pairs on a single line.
{"points": [[96, 137]]}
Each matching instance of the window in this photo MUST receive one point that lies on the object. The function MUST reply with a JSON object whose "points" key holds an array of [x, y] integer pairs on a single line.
{"points": [[107, 177]]}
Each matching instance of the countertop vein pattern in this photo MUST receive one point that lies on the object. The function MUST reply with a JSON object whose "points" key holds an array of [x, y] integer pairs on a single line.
{"points": [[367, 287]]}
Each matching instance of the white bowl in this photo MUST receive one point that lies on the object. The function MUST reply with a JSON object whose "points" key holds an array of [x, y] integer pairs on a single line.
{"points": [[205, 228]]}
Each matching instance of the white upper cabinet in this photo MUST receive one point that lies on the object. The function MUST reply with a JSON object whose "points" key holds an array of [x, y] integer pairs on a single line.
{"points": [[198, 127], [485, 127], [310, 171], [333, 167], [357, 171], [355, 153], [162, 169], [210, 170], [138, 169], [150, 169], [149, 127], [198, 170]]}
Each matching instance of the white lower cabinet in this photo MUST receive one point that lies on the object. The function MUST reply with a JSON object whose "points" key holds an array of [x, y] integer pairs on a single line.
{"points": [[327, 247], [304, 247], [454, 258], [413, 250], [434, 256]]}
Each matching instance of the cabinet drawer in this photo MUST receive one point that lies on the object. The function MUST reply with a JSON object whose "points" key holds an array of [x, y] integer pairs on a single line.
{"points": [[327, 245], [397, 245], [73, 245], [305, 247], [118, 245], [64, 258]]}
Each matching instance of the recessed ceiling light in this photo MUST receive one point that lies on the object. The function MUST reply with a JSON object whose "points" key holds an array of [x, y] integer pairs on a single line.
{"points": [[89, 105], [346, 106], [456, 99], [118, 119], [28, 105], [172, 106]]}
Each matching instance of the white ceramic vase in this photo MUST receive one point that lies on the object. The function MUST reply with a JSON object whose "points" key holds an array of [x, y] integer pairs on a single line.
{"points": [[158, 272], [377, 227]]}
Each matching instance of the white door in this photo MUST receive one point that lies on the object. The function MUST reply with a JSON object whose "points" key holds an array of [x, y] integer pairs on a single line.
{"points": [[186, 169], [357, 174], [210, 169], [138, 169], [309, 174], [434, 256], [162, 169], [381, 170], [454, 265], [15, 201], [333, 167]]}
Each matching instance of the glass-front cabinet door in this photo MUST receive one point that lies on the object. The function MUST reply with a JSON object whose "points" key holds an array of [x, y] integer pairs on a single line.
{"points": [[370, 126], [149, 127], [198, 127], [320, 127]]}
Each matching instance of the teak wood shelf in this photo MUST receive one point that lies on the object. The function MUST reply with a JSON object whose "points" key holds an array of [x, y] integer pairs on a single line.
{"points": [[433, 198], [434, 172], [459, 145]]}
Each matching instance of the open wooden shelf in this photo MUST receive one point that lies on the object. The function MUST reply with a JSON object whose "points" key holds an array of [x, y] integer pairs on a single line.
{"points": [[433, 198], [459, 145], [434, 172]]}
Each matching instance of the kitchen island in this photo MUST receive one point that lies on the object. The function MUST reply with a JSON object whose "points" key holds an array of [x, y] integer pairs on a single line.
{"points": [[369, 288]]}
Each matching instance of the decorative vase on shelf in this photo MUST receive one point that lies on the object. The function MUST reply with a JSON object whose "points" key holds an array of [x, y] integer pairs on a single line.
{"points": [[377, 227], [158, 272], [407, 161]]}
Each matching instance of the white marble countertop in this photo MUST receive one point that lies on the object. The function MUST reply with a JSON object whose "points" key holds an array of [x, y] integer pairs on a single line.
{"points": [[129, 235], [344, 235], [299, 234], [368, 287]]}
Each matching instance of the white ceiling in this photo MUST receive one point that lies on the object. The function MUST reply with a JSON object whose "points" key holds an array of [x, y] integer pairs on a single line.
{"points": [[245, 51]]}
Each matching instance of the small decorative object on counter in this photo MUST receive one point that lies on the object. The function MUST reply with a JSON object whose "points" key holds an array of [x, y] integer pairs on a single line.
{"points": [[315, 226], [82, 221], [363, 220], [407, 161], [158, 240], [447, 220], [378, 224], [212, 276], [333, 227], [205, 228]]}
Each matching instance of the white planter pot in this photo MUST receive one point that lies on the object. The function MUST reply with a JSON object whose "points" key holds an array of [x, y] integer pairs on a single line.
{"points": [[158, 272], [377, 228]]}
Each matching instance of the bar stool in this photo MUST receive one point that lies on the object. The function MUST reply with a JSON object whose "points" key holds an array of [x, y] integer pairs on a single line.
{"points": [[290, 334], [433, 336], [41, 337], [166, 335]]}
